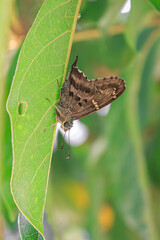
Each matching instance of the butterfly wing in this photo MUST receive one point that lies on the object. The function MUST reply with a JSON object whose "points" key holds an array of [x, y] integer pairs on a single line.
{"points": [[83, 96], [111, 89], [75, 84]]}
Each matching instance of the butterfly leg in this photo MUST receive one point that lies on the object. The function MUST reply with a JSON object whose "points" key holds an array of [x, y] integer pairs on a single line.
{"points": [[54, 106], [50, 127], [60, 148], [69, 146]]}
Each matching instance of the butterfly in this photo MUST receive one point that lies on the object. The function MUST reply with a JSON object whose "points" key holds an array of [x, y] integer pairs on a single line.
{"points": [[80, 96]]}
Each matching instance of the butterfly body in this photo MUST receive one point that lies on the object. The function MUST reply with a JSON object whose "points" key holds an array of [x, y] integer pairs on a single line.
{"points": [[80, 96]]}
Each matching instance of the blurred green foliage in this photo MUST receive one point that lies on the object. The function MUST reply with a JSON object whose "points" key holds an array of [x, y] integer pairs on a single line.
{"points": [[109, 188]]}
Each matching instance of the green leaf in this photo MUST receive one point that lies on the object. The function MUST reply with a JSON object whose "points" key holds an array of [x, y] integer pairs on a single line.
{"points": [[100, 13], [153, 153], [131, 185], [156, 4], [146, 98], [43, 60], [91, 12], [123, 164]]}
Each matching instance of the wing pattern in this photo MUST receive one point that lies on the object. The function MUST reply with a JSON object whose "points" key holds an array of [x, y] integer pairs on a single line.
{"points": [[83, 96]]}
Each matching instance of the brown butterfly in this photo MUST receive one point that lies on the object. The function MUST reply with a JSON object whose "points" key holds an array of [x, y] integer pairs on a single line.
{"points": [[80, 96]]}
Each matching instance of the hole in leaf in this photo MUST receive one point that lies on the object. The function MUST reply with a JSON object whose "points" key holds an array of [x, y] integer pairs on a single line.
{"points": [[22, 106]]}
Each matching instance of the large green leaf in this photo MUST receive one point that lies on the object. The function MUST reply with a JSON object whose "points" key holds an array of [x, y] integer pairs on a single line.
{"points": [[43, 60]]}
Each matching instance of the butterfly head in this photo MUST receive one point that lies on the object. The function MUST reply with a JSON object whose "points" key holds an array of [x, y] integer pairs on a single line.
{"points": [[66, 125]]}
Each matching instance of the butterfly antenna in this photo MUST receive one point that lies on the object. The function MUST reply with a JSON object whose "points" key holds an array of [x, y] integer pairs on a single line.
{"points": [[52, 103], [69, 145], [50, 127], [55, 107]]}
